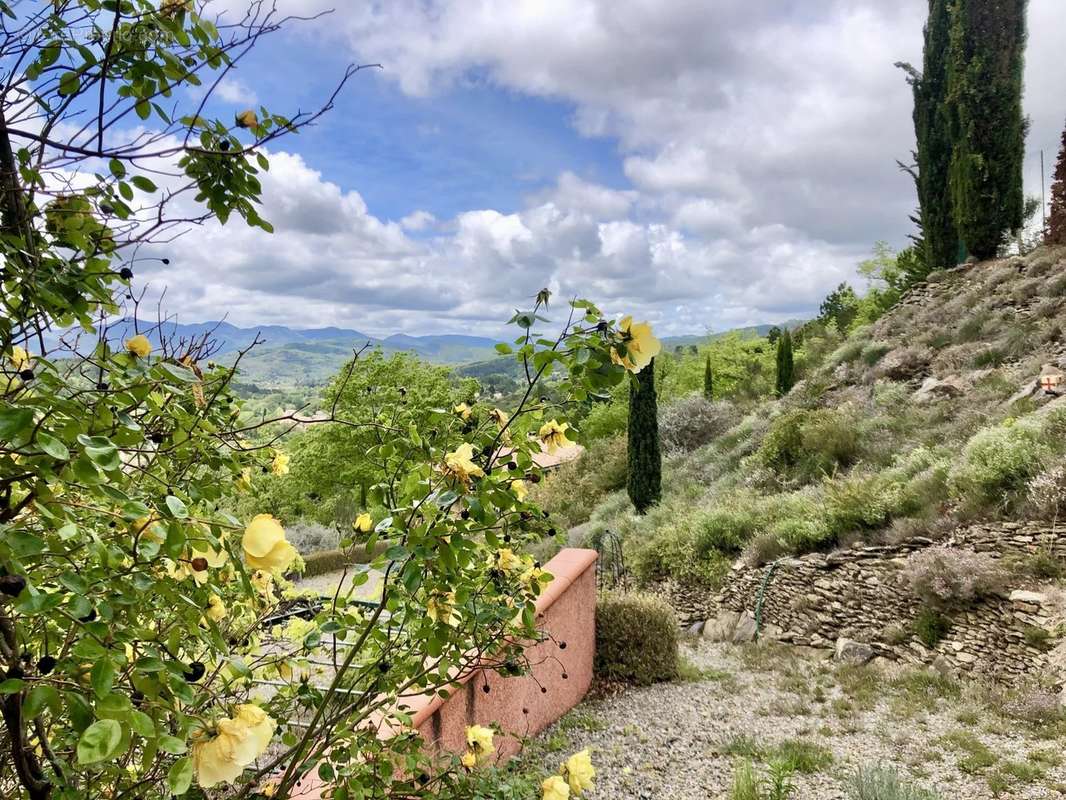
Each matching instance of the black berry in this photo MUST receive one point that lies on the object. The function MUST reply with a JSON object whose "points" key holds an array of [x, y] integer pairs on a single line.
{"points": [[199, 564], [165, 260], [195, 671], [125, 273], [46, 665], [88, 617], [26, 374], [12, 585], [102, 386]]}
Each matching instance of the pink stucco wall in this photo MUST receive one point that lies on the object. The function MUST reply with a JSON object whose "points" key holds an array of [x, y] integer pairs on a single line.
{"points": [[560, 675]]}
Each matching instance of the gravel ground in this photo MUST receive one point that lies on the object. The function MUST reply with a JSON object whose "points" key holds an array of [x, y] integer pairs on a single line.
{"points": [[327, 583], [682, 740]]}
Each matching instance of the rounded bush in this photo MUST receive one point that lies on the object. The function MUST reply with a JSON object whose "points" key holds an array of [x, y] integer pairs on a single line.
{"points": [[693, 421], [997, 463], [636, 639]]}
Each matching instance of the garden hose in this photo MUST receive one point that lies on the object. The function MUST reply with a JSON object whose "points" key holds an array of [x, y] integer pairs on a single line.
{"points": [[762, 595]]}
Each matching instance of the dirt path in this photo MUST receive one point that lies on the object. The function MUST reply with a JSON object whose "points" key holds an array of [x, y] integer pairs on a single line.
{"points": [[683, 740]]}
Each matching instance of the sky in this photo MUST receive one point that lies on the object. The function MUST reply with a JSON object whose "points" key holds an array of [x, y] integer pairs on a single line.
{"points": [[702, 164]]}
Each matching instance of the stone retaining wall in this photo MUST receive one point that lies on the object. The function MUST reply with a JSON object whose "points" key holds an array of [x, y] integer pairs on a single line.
{"points": [[858, 594]]}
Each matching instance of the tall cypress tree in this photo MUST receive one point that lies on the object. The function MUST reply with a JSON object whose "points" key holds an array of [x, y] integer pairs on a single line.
{"points": [[708, 380], [644, 459], [1056, 221], [785, 365], [932, 130], [987, 55]]}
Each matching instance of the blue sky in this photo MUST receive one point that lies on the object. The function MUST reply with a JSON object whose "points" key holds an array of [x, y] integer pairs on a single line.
{"points": [[703, 164]]}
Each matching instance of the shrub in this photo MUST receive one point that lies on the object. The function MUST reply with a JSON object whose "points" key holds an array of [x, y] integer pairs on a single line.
{"points": [[806, 444], [571, 492], [324, 561], [749, 784], [672, 553], [1047, 492], [997, 463], [311, 537], [859, 503], [947, 577], [636, 639], [884, 783], [763, 549], [726, 529], [931, 627], [691, 422], [800, 755]]}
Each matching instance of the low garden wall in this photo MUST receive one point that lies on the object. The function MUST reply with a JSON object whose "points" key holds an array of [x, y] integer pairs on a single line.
{"points": [[521, 706], [859, 594]]}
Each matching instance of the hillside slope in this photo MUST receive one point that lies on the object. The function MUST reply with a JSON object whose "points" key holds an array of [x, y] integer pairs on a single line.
{"points": [[930, 416]]}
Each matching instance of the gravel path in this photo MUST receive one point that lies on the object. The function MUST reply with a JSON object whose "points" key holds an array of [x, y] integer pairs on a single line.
{"points": [[326, 583], [682, 740]]}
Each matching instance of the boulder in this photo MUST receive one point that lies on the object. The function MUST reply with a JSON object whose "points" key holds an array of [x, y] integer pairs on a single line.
{"points": [[745, 629], [849, 651], [1029, 389], [933, 389], [696, 628], [720, 629]]}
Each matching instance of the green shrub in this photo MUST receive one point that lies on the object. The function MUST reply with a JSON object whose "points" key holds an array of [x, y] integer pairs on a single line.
{"points": [[671, 552], [884, 783], [874, 353], [334, 560], [636, 639], [606, 420], [804, 445], [997, 463], [931, 627], [749, 784], [949, 577], [800, 755], [859, 503], [726, 529], [571, 492]]}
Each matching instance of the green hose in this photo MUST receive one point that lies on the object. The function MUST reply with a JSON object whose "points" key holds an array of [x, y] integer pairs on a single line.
{"points": [[762, 595]]}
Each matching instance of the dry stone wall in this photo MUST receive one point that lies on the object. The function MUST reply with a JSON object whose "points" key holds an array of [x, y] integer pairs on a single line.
{"points": [[858, 595]]}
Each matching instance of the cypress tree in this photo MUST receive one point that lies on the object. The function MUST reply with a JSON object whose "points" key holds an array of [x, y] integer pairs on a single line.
{"points": [[644, 460], [785, 366], [932, 130], [1056, 221], [708, 380], [987, 54]]}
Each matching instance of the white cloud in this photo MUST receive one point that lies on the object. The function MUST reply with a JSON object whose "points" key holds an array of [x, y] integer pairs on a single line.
{"points": [[233, 90]]}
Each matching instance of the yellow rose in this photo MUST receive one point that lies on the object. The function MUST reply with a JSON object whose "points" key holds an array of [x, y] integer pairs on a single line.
{"points": [[553, 435], [498, 416], [479, 739], [579, 771], [280, 464], [441, 608], [237, 742], [640, 344], [468, 760], [554, 788], [244, 480], [263, 583], [216, 609], [247, 119], [265, 546], [139, 345], [149, 529], [364, 523], [520, 489], [464, 411], [505, 559], [171, 8], [20, 359], [460, 466]]}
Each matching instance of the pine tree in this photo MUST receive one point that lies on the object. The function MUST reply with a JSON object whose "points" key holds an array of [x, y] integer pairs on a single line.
{"points": [[644, 480], [708, 380], [1056, 222], [785, 365], [984, 76], [940, 240]]}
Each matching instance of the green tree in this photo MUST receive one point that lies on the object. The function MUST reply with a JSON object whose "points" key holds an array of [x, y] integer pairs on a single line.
{"points": [[1056, 222], [840, 307], [785, 366], [988, 128], [708, 379], [932, 128], [644, 479]]}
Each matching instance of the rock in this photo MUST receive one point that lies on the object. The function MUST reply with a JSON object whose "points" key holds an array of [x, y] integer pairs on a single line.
{"points": [[720, 629], [696, 628], [942, 666], [1028, 390], [745, 629], [965, 658], [934, 389], [850, 651], [1028, 598]]}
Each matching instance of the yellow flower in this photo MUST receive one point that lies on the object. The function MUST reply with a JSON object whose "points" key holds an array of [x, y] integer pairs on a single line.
{"points": [[171, 8], [263, 582], [269, 787], [149, 529], [441, 608], [579, 771], [520, 489], [479, 739], [459, 465], [139, 345], [554, 788], [498, 416], [505, 559], [640, 343], [20, 359], [244, 480], [363, 523], [296, 629], [237, 742], [464, 411], [553, 435], [246, 119], [216, 609], [468, 760], [280, 464], [265, 546], [532, 575]]}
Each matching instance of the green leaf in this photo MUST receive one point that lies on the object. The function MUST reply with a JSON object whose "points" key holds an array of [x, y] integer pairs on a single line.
{"points": [[12, 686], [52, 446], [504, 349], [144, 109], [39, 698], [143, 183], [142, 724], [100, 742], [180, 776], [177, 507], [13, 421], [69, 83], [103, 676], [118, 169], [172, 745]]}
